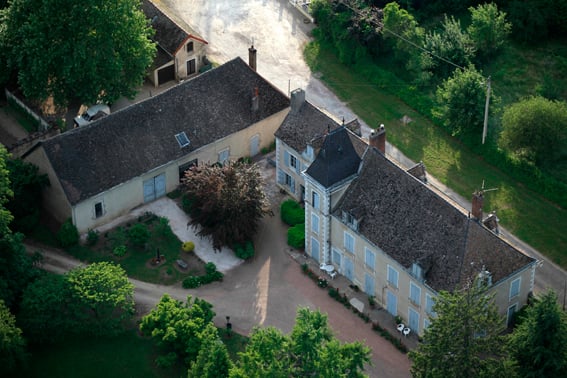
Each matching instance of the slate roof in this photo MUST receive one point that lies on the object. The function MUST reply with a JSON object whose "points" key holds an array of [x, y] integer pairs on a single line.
{"points": [[130, 142], [337, 159], [304, 126], [411, 223], [169, 34]]}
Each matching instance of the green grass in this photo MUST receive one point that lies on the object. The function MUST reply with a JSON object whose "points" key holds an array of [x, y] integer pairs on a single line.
{"points": [[127, 355], [136, 260], [523, 212]]}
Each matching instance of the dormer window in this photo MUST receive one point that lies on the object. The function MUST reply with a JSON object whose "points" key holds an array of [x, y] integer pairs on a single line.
{"points": [[417, 271], [350, 221], [485, 278]]}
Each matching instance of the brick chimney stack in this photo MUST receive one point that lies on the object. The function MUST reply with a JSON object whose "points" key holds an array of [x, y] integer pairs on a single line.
{"points": [[477, 203], [377, 138], [252, 57]]}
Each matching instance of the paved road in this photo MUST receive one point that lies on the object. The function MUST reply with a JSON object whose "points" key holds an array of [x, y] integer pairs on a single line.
{"points": [[266, 291]]}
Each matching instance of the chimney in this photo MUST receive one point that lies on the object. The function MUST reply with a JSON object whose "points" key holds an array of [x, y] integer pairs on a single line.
{"points": [[255, 100], [297, 100], [477, 203], [252, 57], [377, 138]]}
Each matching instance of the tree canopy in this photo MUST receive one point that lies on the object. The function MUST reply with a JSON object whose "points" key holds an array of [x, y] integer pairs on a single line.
{"points": [[12, 343], [538, 345], [228, 201], [310, 350], [91, 50], [463, 339], [105, 295], [535, 129], [178, 327], [488, 29]]}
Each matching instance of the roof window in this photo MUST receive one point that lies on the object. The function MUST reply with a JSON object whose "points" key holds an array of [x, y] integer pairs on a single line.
{"points": [[182, 139]]}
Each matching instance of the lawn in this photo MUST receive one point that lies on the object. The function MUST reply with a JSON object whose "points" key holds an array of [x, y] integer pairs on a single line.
{"points": [[127, 355], [138, 261], [523, 212]]}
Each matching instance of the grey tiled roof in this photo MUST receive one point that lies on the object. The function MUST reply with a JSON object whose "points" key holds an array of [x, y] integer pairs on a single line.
{"points": [[411, 223], [337, 159], [304, 126], [130, 142], [169, 34]]}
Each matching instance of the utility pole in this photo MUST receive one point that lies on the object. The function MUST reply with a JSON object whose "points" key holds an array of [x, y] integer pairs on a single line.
{"points": [[486, 110]]}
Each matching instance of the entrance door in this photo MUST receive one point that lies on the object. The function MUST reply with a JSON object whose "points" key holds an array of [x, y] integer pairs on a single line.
{"points": [[349, 268], [255, 145], [391, 303], [154, 188]]}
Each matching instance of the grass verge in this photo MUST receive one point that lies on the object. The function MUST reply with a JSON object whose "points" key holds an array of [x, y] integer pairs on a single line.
{"points": [[523, 212]]}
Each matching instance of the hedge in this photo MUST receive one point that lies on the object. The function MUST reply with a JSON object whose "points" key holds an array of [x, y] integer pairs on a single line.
{"points": [[292, 213], [296, 236]]}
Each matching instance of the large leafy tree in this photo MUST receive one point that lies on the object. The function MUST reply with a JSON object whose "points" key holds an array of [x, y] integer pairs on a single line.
{"points": [[463, 339], [310, 350], [461, 101], [228, 201], [5, 193], [26, 184], [535, 129], [12, 343], [488, 29], [177, 327], [86, 50], [402, 32], [212, 360], [105, 296], [538, 345], [47, 313]]}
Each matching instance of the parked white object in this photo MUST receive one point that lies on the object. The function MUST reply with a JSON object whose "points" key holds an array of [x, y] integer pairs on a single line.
{"points": [[92, 114]]}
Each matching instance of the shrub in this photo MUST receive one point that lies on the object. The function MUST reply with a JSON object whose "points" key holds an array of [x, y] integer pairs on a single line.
{"points": [[139, 234], [166, 361], [296, 236], [92, 237], [119, 251], [188, 246], [192, 282], [292, 213], [187, 203], [245, 251], [163, 228], [68, 234], [322, 282]]}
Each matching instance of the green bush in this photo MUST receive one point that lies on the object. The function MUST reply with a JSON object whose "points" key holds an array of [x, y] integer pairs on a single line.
{"points": [[139, 234], [192, 282], [163, 228], [92, 237], [245, 251], [119, 251], [296, 236], [292, 213], [68, 234], [187, 203]]}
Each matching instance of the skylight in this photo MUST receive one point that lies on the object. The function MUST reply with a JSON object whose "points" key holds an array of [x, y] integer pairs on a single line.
{"points": [[182, 139]]}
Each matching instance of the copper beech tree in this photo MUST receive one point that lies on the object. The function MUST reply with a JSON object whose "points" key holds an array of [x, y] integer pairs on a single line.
{"points": [[227, 201]]}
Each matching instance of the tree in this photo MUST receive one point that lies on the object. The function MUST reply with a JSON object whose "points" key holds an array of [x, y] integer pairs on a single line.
{"points": [[452, 45], [92, 50], [461, 101], [177, 327], [228, 201], [535, 129], [12, 343], [538, 345], [46, 312], [105, 295], [26, 184], [463, 339], [5, 193], [488, 29], [310, 350], [212, 360]]}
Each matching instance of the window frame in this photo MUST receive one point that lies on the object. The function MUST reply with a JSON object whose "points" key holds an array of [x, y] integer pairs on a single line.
{"points": [[221, 152], [102, 209], [388, 278], [315, 199], [314, 221], [429, 309], [346, 237], [511, 294], [411, 292], [367, 252], [190, 46]]}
